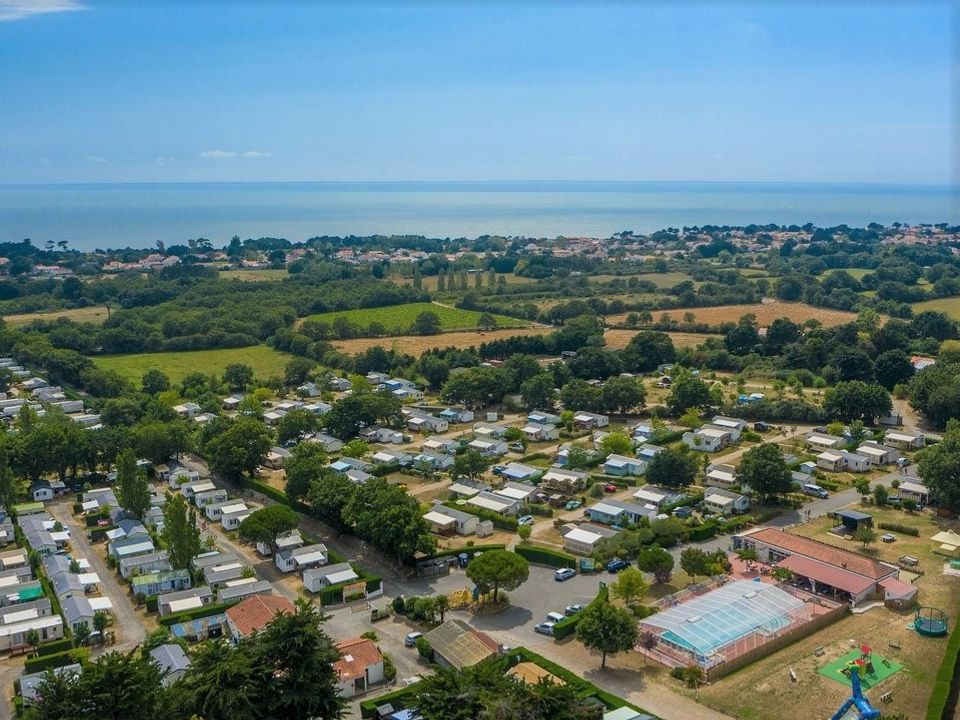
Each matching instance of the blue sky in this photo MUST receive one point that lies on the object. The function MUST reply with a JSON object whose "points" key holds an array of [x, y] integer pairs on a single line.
{"points": [[169, 91]]}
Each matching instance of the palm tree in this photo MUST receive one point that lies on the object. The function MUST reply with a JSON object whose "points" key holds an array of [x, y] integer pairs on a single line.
{"points": [[441, 605]]}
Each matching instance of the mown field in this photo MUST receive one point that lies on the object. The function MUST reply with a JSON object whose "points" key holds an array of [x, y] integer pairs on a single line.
{"points": [[766, 313], [949, 305], [397, 319], [661, 280], [254, 275], [95, 314], [429, 282], [263, 360]]}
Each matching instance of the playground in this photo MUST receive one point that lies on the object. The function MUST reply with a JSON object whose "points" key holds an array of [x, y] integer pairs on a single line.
{"points": [[877, 669]]}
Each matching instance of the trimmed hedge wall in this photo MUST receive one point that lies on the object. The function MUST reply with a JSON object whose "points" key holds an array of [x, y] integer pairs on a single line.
{"points": [[568, 626], [199, 612], [944, 697], [468, 550], [704, 531], [897, 527], [53, 660], [54, 646], [546, 556], [499, 521]]}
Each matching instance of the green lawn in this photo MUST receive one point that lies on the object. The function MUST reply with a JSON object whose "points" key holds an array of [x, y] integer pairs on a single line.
{"points": [[853, 272], [948, 305], [661, 280], [265, 362], [397, 319], [882, 669]]}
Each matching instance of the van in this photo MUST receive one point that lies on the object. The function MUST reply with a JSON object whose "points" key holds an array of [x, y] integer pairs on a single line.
{"points": [[411, 639], [815, 490], [554, 617]]}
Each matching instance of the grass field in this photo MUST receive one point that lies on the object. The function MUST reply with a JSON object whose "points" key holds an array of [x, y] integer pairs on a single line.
{"points": [[950, 306], [429, 282], [766, 313], [853, 272], [263, 360], [255, 275], [95, 314], [397, 319], [661, 280], [618, 339]]}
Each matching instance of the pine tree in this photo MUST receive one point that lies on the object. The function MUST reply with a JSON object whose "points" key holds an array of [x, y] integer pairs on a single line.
{"points": [[478, 280], [417, 279], [491, 278], [132, 486], [463, 280], [441, 281]]}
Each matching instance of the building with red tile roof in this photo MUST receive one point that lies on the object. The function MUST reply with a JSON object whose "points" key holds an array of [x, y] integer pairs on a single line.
{"points": [[253, 614], [360, 666]]}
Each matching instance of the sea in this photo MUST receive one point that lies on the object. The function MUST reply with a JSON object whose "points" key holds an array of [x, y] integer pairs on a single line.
{"points": [[138, 215]]}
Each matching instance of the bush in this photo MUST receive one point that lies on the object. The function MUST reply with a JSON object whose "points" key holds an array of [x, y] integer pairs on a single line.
{"points": [[897, 527], [54, 646], [702, 532], [389, 669], [568, 626], [153, 603], [546, 556], [828, 484], [424, 649], [199, 612]]}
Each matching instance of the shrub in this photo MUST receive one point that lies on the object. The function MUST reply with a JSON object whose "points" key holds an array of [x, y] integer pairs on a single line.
{"points": [[546, 556], [424, 649], [40, 663], [389, 669], [897, 527], [54, 646]]}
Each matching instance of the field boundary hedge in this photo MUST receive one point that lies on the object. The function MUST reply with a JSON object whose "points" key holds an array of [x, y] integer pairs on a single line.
{"points": [[897, 527]]}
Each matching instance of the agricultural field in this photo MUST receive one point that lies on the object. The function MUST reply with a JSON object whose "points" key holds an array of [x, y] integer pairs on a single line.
{"points": [[94, 314], [857, 273], [661, 280], [397, 319], [617, 339], [766, 313], [762, 689], [416, 345], [948, 305], [257, 275], [264, 361]]}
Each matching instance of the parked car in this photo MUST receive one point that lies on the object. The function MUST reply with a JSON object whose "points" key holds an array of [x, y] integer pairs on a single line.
{"points": [[572, 609], [516, 447], [610, 488], [683, 512], [564, 574], [573, 505], [410, 640], [617, 565], [498, 469], [554, 617], [525, 520], [544, 628], [903, 462]]}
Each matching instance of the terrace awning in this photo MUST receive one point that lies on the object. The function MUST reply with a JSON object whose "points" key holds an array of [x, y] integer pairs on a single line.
{"points": [[827, 574]]}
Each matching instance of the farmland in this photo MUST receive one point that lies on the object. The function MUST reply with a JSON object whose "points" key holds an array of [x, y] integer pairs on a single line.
{"points": [[661, 280], [950, 306], [766, 313], [617, 339], [94, 314], [257, 275], [429, 282], [263, 360], [397, 319]]}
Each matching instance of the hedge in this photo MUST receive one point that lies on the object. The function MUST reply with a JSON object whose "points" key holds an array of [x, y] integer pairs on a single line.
{"points": [[98, 533], [471, 550], [334, 593], [828, 484], [499, 521], [270, 491], [153, 603], [897, 527], [943, 699], [54, 660], [568, 626], [381, 470], [546, 556], [199, 612], [54, 646], [704, 531], [403, 695]]}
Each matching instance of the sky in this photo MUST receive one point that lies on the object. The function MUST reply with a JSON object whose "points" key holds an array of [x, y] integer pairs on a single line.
{"points": [[94, 92]]}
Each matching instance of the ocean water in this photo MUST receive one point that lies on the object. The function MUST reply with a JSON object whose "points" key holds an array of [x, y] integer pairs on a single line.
{"points": [[137, 215]]}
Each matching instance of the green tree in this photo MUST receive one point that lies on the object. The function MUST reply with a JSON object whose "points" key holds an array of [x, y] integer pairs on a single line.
{"points": [[222, 683], [658, 561], [622, 394], [267, 524], [524, 532], [616, 443], [470, 463], [181, 533], [442, 604], [672, 468], [100, 622], [865, 535], [607, 629], [862, 486], [694, 561], [158, 441], [388, 518], [629, 586], [133, 490], [880, 495], [764, 470], [427, 323], [155, 382], [939, 466], [538, 392], [307, 463], [240, 448], [297, 371], [486, 321], [857, 400], [356, 448], [497, 569], [688, 392], [81, 635], [646, 351], [361, 409], [295, 424], [237, 376]]}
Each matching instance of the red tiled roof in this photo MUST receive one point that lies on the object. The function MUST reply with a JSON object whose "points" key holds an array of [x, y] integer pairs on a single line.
{"points": [[825, 553], [894, 588], [356, 656], [827, 574], [256, 612]]}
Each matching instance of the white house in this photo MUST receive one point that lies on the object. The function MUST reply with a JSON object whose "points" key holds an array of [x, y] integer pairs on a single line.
{"points": [[720, 476], [446, 521], [309, 390], [360, 666], [456, 415], [286, 541], [822, 441], [647, 451], [489, 429], [315, 579], [187, 409], [233, 515], [589, 420], [328, 442], [489, 447], [837, 460], [540, 433], [725, 502], [202, 499], [521, 492], [41, 491], [494, 503], [623, 466], [736, 424], [642, 432], [915, 491], [390, 457], [182, 600], [878, 455], [709, 438], [657, 496], [539, 417], [383, 435], [192, 489], [339, 384], [422, 422], [616, 512], [344, 464], [432, 461], [583, 539], [301, 558], [565, 479], [276, 458], [440, 445], [904, 440]]}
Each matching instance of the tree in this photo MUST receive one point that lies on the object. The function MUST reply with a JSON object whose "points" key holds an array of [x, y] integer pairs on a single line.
{"points": [[658, 561], [328, 494], [744, 337], [880, 495], [356, 448], [694, 562], [295, 424], [267, 524], [32, 638], [538, 392], [442, 604], [240, 448], [81, 635], [307, 462], [159, 441], [764, 470], [100, 622], [388, 518], [893, 367], [648, 641], [155, 381], [862, 486], [486, 321], [629, 586], [935, 392], [133, 490], [470, 463], [857, 400], [237, 376], [180, 531], [427, 323], [351, 414], [688, 392], [578, 394], [646, 351], [939, 466], [497, 569], [865, 535], [607, 629], [616, 443], [222, 682], [672, 468], [622, 394], [524, 532]]}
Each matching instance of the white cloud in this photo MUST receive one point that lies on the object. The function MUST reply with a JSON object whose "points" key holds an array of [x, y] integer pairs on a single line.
{"points": [[96, 159], [228, 154], [20, 9]]}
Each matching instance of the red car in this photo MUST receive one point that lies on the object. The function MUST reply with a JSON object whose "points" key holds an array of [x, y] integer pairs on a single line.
{"points": [[610, 488]]}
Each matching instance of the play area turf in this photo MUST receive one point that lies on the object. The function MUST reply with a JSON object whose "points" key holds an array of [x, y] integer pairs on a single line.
{"points": [[883, 668]]}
